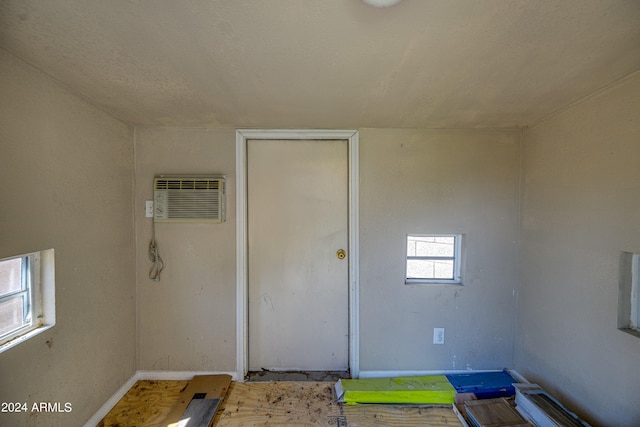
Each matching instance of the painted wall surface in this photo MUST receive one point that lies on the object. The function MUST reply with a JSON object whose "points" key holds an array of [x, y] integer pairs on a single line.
{"points": [[580, 210], [186, 321], [66, 169], [438, 181], [411, 181]]}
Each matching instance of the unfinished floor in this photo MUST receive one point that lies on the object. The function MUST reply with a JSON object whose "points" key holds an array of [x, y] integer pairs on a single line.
{"points": [[281, 403]]}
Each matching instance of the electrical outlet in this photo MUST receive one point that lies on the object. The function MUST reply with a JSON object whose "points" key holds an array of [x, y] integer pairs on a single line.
{"points": [[438, 335], [148, 209]]}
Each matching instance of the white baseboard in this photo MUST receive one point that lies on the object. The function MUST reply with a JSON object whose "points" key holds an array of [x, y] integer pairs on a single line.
{"points": [[109, 404], [515, 374], [179, 375], [394, 374], [146, 375]]}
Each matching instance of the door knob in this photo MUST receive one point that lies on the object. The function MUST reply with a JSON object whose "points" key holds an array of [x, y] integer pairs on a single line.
{"points": [[341, 254]]}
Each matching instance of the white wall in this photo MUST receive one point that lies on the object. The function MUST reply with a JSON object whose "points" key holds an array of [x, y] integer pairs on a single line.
{"points": [[438, 181], [411, 181], [580, 205], [67, 183], [67, 169], [186, 322], [581, 208]]}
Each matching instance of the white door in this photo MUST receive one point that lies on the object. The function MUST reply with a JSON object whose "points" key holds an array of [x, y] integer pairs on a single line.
{"points": [[297, 223]]}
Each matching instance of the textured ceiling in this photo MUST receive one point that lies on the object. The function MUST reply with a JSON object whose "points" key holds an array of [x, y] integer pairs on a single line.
{"points": [[327, 63]]}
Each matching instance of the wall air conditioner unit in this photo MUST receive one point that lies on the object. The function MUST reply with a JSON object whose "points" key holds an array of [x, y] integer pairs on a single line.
{"points": [[187, 198]]}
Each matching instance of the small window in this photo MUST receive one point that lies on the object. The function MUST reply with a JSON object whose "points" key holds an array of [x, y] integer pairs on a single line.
{"points": [[433, 258], [629, 294], [23, 308], [15, 295]]}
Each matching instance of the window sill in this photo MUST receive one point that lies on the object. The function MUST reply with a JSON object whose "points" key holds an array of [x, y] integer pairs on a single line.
{"points": [[631, 331], [412, 282], [24, 337]]}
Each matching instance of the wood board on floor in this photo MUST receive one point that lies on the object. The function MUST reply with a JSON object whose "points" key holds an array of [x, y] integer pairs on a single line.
{"points": [[494, 413], [272, 404], [401, 416], [313, 404], [278, 403], [146, 404], [207, 386]]}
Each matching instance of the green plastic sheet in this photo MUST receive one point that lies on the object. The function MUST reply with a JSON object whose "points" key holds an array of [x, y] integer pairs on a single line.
{"points": [[433, 389]]}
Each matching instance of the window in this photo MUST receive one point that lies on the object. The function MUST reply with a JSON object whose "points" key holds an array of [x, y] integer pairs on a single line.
{"points": [[26, 297], [15, 295], [629, 294], [433, 258]]}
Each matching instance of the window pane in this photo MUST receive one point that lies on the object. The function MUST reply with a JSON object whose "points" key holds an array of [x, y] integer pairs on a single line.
{"points": [[431, 246], [430, 269], [10, 275], [11, 315]]}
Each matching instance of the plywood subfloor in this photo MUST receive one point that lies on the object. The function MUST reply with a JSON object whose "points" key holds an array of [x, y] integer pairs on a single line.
{"points": [[146, 404], [273, 404]]}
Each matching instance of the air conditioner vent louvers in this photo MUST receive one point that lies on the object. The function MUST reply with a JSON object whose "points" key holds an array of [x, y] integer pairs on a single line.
{"points": [[189, 199], [187, 184]]}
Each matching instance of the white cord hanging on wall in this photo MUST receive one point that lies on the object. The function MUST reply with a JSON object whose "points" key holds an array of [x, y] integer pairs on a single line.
{"points": [[181, 199], [157, 263]]}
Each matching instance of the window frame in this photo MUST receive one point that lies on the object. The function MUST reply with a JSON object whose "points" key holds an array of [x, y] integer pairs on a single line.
{"points": [[456, 258], [629, 294], [25, 293], [38, 294]]}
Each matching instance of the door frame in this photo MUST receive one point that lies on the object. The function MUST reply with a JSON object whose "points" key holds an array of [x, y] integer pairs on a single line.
{"points": [[242, 279]]}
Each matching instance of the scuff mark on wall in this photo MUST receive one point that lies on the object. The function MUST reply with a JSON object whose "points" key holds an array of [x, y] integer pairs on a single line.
{"points": [[266, 299]]}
